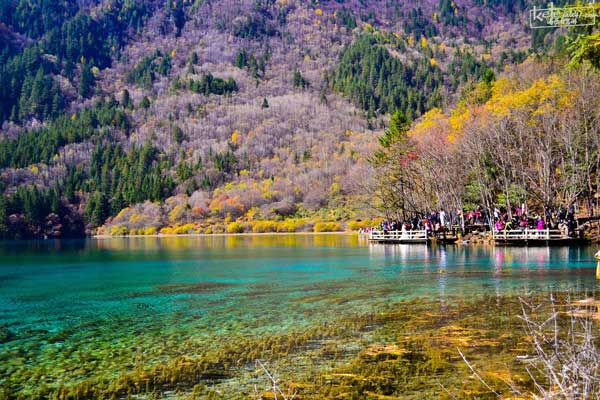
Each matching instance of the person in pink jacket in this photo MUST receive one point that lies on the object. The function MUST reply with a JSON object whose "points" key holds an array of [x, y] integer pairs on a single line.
{"points": [[540, 224]]}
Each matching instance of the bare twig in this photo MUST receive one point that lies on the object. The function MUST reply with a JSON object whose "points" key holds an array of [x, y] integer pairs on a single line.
{"points": [[274, 385], [476, 374], [564, 365]]}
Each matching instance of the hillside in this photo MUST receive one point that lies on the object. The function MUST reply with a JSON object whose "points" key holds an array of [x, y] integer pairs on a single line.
{"points": [[190, 115]]}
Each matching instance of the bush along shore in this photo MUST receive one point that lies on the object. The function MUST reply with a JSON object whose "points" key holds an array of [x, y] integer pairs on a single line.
{"points": [[129, 223]]}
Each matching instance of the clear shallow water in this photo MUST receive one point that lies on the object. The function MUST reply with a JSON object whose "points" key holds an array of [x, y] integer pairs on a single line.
{"points": [[79, 308]]}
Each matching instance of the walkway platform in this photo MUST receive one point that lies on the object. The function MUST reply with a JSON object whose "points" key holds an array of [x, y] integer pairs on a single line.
{"points": [[527, 237], [522, 237], [391, 237], [398, 236]]}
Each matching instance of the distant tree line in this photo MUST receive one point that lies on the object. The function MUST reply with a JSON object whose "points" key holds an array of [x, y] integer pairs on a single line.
{"points": [[208, 85], [66, 41], [114, 180], [247, 60], [34, 213], [42, 144], [379, 83], [419, 25], [144, 73], [260, 22]]}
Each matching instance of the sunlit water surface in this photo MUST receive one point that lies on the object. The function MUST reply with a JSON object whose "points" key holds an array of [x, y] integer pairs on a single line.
{"points": [[71, 307]]}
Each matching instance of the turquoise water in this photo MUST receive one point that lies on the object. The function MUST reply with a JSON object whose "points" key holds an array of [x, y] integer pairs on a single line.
{"points": [[77, 309]]}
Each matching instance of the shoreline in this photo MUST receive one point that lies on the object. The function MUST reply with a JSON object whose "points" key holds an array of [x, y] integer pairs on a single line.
{"points": [[170, 235], [471, 242]]}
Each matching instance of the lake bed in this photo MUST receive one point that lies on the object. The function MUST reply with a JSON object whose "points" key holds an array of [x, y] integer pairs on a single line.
{"points": [[186, 317]]}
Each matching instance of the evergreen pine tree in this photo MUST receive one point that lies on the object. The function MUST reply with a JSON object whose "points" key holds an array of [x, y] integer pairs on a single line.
{"points": [[177, 134], [145, 103], [193, 60], [86, 81], [126, 101], [241, 59]]}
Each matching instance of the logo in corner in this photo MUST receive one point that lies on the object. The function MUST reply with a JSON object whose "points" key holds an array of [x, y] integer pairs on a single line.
{"points": [[555, 17]]}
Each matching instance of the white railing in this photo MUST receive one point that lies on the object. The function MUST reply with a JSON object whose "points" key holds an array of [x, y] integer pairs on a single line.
{"points": [[529, 234], [399, 236]]}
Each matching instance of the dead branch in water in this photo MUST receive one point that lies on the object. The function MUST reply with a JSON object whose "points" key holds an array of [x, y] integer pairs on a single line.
{"points": [[565, 362], [274, 385]]}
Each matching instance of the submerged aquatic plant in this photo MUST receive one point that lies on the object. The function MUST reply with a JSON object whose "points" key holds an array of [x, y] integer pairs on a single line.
{"points": [[399, 349], [565, 360]]}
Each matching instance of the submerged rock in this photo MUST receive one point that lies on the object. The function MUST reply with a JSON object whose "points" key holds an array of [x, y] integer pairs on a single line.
{"points": [[5, 334]]}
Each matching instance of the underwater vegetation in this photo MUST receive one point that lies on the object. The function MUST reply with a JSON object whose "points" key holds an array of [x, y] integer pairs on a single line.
{"points": [[189, 318], [191, 288], [404, 349]]}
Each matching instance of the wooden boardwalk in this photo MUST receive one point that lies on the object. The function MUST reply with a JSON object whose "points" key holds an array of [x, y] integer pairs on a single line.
{"points": [[532, 237], [523, 237], [420, 236], [398, 236]]}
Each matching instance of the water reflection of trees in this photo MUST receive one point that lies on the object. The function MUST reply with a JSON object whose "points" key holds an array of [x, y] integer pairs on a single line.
{"points": [[522, 268], [179, 243]]}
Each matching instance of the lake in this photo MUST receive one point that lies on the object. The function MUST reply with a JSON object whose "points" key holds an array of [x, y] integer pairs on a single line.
{"points": [[185, 317]]}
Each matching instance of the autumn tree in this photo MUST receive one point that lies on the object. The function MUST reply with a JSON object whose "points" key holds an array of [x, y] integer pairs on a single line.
{"points": [[532, 142]]}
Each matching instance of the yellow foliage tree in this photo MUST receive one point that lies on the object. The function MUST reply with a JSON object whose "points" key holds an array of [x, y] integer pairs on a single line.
{"points": [[151, 230], [432, 118], [176, 214], [327, 227], [460, 115], [235, 227], [542, 96], [235, 137]]}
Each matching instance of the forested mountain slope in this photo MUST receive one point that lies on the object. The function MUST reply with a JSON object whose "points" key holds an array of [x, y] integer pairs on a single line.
{"points": [[191, 115]]}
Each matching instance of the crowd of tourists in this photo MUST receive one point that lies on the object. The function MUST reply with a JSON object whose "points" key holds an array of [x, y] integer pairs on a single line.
{"points": [[500, 219], [562, 218]]}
